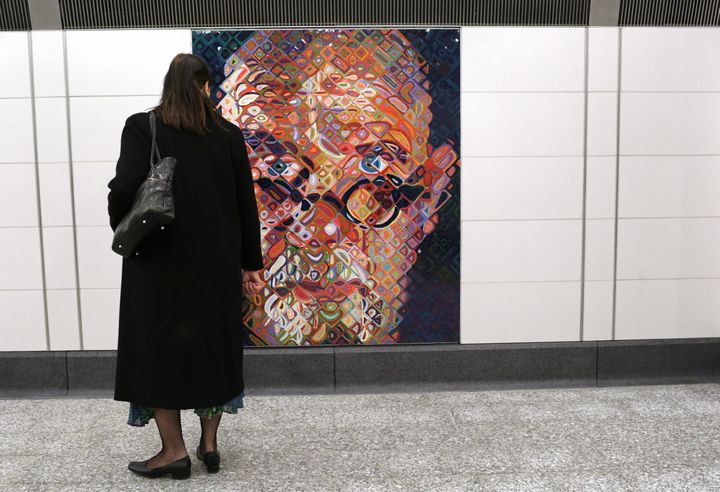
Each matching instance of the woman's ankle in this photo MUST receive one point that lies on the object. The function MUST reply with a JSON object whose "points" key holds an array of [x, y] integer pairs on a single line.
{"points": [[177, 453], [207, 448]]}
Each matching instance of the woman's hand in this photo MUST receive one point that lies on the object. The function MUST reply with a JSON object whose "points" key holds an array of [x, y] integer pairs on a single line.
{"points": [[251, 281]]}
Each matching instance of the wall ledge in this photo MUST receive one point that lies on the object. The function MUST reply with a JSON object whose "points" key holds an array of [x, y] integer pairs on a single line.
{"points": [[378, 369]]}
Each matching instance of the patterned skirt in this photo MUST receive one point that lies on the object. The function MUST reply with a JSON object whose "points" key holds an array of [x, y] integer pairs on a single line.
{"points": [[140, 415]]}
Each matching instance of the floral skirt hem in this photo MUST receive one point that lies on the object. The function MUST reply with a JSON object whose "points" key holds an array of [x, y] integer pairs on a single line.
{"points": [[140, 415]]}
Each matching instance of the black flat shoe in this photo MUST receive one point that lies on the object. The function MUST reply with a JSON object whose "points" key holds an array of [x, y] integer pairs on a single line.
{"points": [[211, 460], [179, 469]]}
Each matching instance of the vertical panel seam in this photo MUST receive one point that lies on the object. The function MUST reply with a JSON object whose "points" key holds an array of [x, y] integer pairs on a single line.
{"points": [[31, 69], [460, 168], [584, 186], [72, 189], [617, 181]]}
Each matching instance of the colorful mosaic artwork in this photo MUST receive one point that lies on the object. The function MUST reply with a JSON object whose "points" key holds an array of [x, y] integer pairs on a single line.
{"points": [[353, 137]]}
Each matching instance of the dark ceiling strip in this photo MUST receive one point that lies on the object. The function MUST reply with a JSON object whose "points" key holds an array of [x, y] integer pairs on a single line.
{"points": [[105, 14], [14, 15], [119, 14], [669, 13]]}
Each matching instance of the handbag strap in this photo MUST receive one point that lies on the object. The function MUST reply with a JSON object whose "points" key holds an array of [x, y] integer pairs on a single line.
{"points": [[154, 151]]}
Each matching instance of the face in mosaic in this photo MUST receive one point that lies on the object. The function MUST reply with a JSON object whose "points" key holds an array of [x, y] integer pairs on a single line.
{"points": [[348, 186]]}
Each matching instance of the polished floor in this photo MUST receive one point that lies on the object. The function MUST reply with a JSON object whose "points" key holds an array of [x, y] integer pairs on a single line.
{"points": [[625, 438]]}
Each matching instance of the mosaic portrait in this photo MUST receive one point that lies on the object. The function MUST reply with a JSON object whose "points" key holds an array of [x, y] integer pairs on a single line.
{"points": [[354, 141]]}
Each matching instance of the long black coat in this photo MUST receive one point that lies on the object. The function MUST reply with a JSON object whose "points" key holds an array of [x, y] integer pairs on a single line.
{"points": [[180, 342]]}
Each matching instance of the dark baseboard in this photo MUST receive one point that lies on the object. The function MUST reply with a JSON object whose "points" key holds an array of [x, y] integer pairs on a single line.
{"points": [[422, 367], [659, 361]]}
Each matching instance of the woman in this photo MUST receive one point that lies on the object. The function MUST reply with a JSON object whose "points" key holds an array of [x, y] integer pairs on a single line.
{"points": [[180, 342]]}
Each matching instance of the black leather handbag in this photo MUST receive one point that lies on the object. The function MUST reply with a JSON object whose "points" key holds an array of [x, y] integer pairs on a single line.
{"points": [[153, 207]]}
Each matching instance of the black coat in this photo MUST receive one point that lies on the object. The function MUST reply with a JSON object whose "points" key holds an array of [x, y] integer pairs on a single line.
{"points": [[180, 342]]}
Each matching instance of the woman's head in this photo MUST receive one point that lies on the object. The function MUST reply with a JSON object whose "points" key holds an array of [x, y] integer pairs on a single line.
{"points": [[185, 103]]}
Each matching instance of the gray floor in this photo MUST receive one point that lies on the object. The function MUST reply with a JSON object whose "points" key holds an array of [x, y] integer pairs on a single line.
{"points": [[628, 438]]}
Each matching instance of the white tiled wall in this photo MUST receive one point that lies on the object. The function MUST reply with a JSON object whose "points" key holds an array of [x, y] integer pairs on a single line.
{"points": [[522, 96], [600, 177], [516, 59], [51, 129], [15, 59], [48, 63], [538, 170], [21, 289], [521, 124], [63, 319], [127, 62], [18, 196], [23, 320], [670, 186], [55, 194], [602, 59], [519, 311], [670, 59], [522, 188], [22, 305], [53, 157], [111, 75], [521, 250], [666, 189], [666, 123], [674, 308], [16, 128], [669, 221], [601, 181]]}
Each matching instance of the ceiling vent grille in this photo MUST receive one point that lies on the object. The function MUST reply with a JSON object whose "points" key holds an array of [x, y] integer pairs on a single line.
{"points": [[14, 15], [119, 14], [669, 13], [108, 14]]}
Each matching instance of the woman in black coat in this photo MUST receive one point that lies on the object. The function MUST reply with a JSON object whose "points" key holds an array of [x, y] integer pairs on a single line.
{"points": [[180, 342]]}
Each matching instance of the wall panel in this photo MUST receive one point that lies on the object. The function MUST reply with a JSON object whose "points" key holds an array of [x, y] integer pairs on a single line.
{"points": [[523, 177], [668, 265], [600, 183], [522, 181]]}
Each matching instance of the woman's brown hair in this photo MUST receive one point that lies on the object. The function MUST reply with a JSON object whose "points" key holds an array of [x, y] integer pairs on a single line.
{"points": [[184, 105]]}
